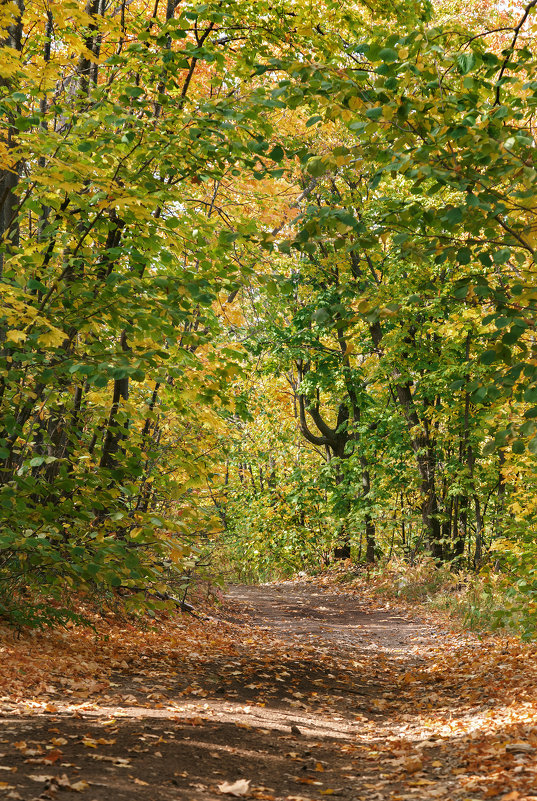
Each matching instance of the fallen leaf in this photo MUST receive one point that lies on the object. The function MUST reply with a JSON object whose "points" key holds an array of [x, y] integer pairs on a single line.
{"points": [[519, 748], [238, 788], [412, 764], [123, 762], [52, 756], [79, 787], [63, 781]]}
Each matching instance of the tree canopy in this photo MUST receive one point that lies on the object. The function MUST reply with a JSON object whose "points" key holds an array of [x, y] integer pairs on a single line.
{"points": [[269, 292]]}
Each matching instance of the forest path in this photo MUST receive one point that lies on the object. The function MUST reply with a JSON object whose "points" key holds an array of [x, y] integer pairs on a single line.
{"points": [[291, 692], [420, 710], [304, 611]]}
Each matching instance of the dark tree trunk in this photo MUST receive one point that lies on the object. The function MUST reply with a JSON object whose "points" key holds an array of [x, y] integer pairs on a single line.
{"points": [[9, 175], [369, 524], [113, 433], [425, 451], [478, 554], [460, 533]]}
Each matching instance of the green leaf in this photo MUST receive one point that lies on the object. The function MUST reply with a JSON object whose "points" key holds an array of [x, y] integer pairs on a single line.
{"points": [[320, 316], [513, 335], [530, 395], [134, 91], [374, 113], [465, 62], [488, 448], [527, 428], [453, 215], [488, 357], [388, 54], [276, 154], [502, 256], [464, 255], [317, 166], [532, 446], [461, 291]]}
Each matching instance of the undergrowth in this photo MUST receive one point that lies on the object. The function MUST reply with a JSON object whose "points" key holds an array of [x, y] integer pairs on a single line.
{"points": [[484, 601]]}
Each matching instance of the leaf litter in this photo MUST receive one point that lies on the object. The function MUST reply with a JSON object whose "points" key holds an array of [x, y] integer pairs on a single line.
{"points": [[289, 692]]}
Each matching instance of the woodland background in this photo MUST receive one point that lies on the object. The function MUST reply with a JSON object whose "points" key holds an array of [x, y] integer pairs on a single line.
{"points": [[268, 297]]}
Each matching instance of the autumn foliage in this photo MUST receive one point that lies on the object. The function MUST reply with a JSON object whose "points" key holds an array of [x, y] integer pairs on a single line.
{"points": [[268, 296]]}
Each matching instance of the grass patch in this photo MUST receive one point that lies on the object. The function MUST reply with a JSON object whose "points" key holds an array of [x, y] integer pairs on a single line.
{"points": [[482, 602]]}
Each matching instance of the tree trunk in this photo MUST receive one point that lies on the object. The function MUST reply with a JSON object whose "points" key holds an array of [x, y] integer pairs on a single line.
{"points": [[113, 434], [425, 451], [459, 536], [369, 524], [9, 175], [478, 554]]}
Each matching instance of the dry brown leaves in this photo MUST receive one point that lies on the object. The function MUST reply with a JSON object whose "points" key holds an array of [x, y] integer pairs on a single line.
{"points": [[458, 721]]}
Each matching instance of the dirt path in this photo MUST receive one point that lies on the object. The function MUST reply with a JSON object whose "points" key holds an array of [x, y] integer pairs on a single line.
{"points": [[306, 612], [314, 695]]}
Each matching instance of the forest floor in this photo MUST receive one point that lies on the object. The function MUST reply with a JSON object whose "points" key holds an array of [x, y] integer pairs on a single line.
{"points": [[294, 691]]}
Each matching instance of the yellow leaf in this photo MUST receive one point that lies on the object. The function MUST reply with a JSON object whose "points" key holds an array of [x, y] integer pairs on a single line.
{"points": [[355, 103], [89, 742], [53, 338], [341, 160], [16, 336], [9, 62]]}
